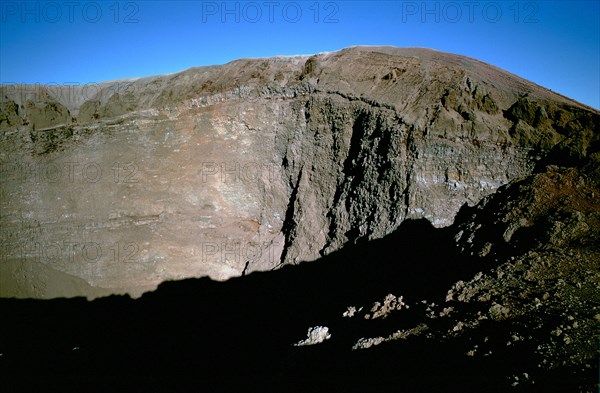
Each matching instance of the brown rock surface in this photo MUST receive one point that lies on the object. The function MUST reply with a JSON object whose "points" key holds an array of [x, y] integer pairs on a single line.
{"points": [[218, 170]]}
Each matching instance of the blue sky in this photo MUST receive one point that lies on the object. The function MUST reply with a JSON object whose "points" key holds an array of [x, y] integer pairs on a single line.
{"points": [[553, 43]]}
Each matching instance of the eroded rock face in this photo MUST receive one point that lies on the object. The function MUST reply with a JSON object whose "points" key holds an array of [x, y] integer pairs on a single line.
{"points": [[229, 169]]}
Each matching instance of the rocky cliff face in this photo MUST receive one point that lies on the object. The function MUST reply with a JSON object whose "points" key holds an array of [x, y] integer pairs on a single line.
{"points": [[505, 299], [224, 170]]}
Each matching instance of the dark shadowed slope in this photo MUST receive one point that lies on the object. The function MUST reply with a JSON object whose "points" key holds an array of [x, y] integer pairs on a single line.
{"points": [[238, 335]]}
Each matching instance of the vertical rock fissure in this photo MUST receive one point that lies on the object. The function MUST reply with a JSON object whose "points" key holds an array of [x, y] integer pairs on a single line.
{"points": [[410, 163], [289, 224]]}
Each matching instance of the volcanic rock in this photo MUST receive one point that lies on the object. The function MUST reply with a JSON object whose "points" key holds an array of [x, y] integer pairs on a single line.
{"points": [[223, 170]]}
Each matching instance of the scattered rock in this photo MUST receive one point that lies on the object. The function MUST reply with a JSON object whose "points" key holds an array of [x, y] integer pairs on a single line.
{"points": [[315, 335]]}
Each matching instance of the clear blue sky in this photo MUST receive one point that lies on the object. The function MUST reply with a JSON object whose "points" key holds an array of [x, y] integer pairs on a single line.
{"points": [[553, 43]]}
